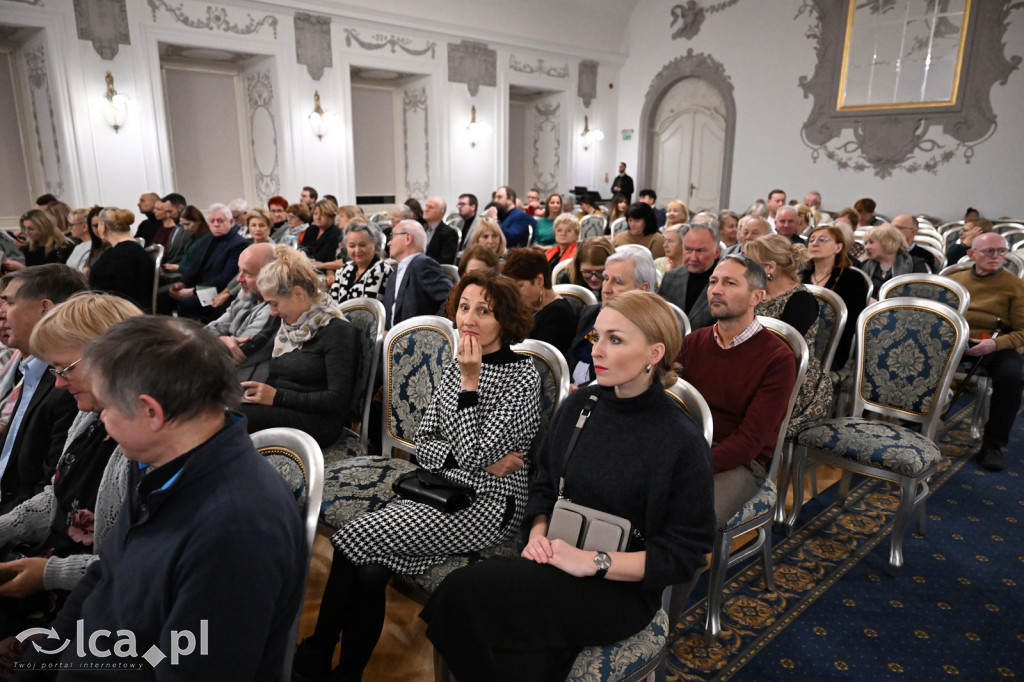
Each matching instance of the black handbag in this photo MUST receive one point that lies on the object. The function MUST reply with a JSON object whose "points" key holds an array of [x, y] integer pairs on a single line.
{"points": [[434, 490]]}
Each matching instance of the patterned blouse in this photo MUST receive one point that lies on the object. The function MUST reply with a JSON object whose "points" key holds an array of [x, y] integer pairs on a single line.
{"points": [[371, 285]]}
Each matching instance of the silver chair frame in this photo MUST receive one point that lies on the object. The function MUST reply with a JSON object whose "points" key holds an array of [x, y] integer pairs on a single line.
{"points": [[377, 309]]}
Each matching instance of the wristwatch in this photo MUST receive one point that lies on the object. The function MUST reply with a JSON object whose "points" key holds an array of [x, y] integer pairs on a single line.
{"points": [[603, 562]]}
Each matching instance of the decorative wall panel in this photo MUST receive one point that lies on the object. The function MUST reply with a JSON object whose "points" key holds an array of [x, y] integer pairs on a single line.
{"points": [[259, 97], [472, 63], [416, 142], [313, 43], [216, 19], [104, 23], [49, 164], [547, 144]]}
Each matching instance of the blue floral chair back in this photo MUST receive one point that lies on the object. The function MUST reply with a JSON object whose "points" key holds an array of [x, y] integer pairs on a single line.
{"points": [[415, 354], [832, 319], [593, 226], [906, 353], [932, 287], [367, 316], [295, 455]]}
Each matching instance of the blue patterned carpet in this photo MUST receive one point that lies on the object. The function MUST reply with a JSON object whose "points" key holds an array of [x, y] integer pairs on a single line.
{"points": [[955, 612]]}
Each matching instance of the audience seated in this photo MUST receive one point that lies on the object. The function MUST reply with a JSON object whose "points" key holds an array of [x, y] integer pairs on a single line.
{"points": [[247, 323], [643, 230], [567, 234], [124, 269], [313, 355], [278, 208], [544, 235], [298, 223], [478, 257], [320, 240], [442, 240], [481, 420], [996, 294], [196, 227], [973, 228], [629, 269], [366, 273], [788, 300], [211, 530], [676, 213], [830, 268], [888, 256], [728, 228], [687, 287], [346, 215], [638, 456], [587, 266], [787, 224], [554, 320], [60, 529], [746, 375], [44, 242], [78, 228], [258, 225], [673, 246], [907, 225], [216, 265], [750, 228], [419, 286], [515, 223]]}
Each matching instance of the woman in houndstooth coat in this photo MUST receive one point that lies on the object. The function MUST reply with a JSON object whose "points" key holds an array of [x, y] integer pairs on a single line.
{"points": [[480, 422]]}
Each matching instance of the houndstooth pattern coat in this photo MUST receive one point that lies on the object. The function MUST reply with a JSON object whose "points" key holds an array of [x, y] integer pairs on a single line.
{"points": [[458, 439]]}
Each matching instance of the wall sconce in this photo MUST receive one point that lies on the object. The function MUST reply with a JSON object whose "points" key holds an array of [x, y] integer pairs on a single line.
{"points": [[320, 121], [590, 136], [115, 106], [477, 130]]}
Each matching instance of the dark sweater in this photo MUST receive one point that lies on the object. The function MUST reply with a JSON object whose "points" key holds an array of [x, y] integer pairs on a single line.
{"points": [[853, 289], [321, 247], [221, 543], [555, 323], [127, 271], [320, 376], [749, 405], [640, 458]]}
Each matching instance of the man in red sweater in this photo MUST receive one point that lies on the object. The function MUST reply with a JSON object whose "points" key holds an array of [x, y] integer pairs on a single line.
{"points": [[746, 375]]}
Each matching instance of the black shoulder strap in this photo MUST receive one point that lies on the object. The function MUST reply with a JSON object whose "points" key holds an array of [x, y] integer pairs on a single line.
{"points": [[584, 416]]}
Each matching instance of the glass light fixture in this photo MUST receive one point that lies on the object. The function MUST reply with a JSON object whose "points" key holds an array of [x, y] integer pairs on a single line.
{"points": [[320, 120], [477, 130], [115, 106], [590, 136]]}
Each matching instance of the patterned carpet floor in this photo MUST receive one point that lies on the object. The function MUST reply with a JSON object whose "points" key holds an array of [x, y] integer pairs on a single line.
{"points": [[953, 612]]}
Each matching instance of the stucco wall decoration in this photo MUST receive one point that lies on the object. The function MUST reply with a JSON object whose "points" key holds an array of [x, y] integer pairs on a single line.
{"points": [[538, 68], [44, 121], [908, 137], [547, 146], [416, 142], [259, 95], [691, 16], [379, 41], [313, 43], [472, 63], [586, 85], [104, 23], [216, 19]]}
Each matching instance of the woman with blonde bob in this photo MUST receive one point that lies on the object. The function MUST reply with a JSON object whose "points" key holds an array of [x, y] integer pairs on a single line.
{"points": [[62, 528], [637, 456], [567, 235], [312, 359], [888, 256], [488, 232], [123, 269]]}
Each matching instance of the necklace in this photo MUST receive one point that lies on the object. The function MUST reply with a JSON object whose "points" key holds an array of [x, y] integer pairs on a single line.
{"points": [[820, 281]]}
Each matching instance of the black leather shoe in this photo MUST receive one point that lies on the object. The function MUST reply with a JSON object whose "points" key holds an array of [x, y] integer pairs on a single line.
{"points": [[992, 458], [311, 662]]}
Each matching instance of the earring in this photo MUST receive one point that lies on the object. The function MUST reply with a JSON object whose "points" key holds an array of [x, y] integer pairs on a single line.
{"points": [[770, 277], [648, 369]]}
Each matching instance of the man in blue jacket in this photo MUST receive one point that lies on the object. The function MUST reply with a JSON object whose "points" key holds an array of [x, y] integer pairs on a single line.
{"points": [[515, 223], [203, 572], [216, 265]]}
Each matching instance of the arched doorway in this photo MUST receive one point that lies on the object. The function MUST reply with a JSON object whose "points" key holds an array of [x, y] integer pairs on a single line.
{"points": [[687, 133]]}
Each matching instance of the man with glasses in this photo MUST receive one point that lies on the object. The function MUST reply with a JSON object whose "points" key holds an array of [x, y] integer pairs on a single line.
{"points": [[34, 416], [907, 225], [687, 287], [419, 286], [997, 296]]}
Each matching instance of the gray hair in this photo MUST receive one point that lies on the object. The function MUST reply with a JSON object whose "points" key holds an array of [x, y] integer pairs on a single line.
{"points": [[239, 205], [706, 217], [219, 208], [759, 209], [643, 264], [185, 369], [789, 209], [757, 278], [369, 229], [403, 211], [711, 228]]}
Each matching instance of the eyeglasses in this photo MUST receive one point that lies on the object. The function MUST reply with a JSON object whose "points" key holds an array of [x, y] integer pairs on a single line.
{"points": [[818, 240], [398, 234], [593, 274], [988, 253], [63, 373]]}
